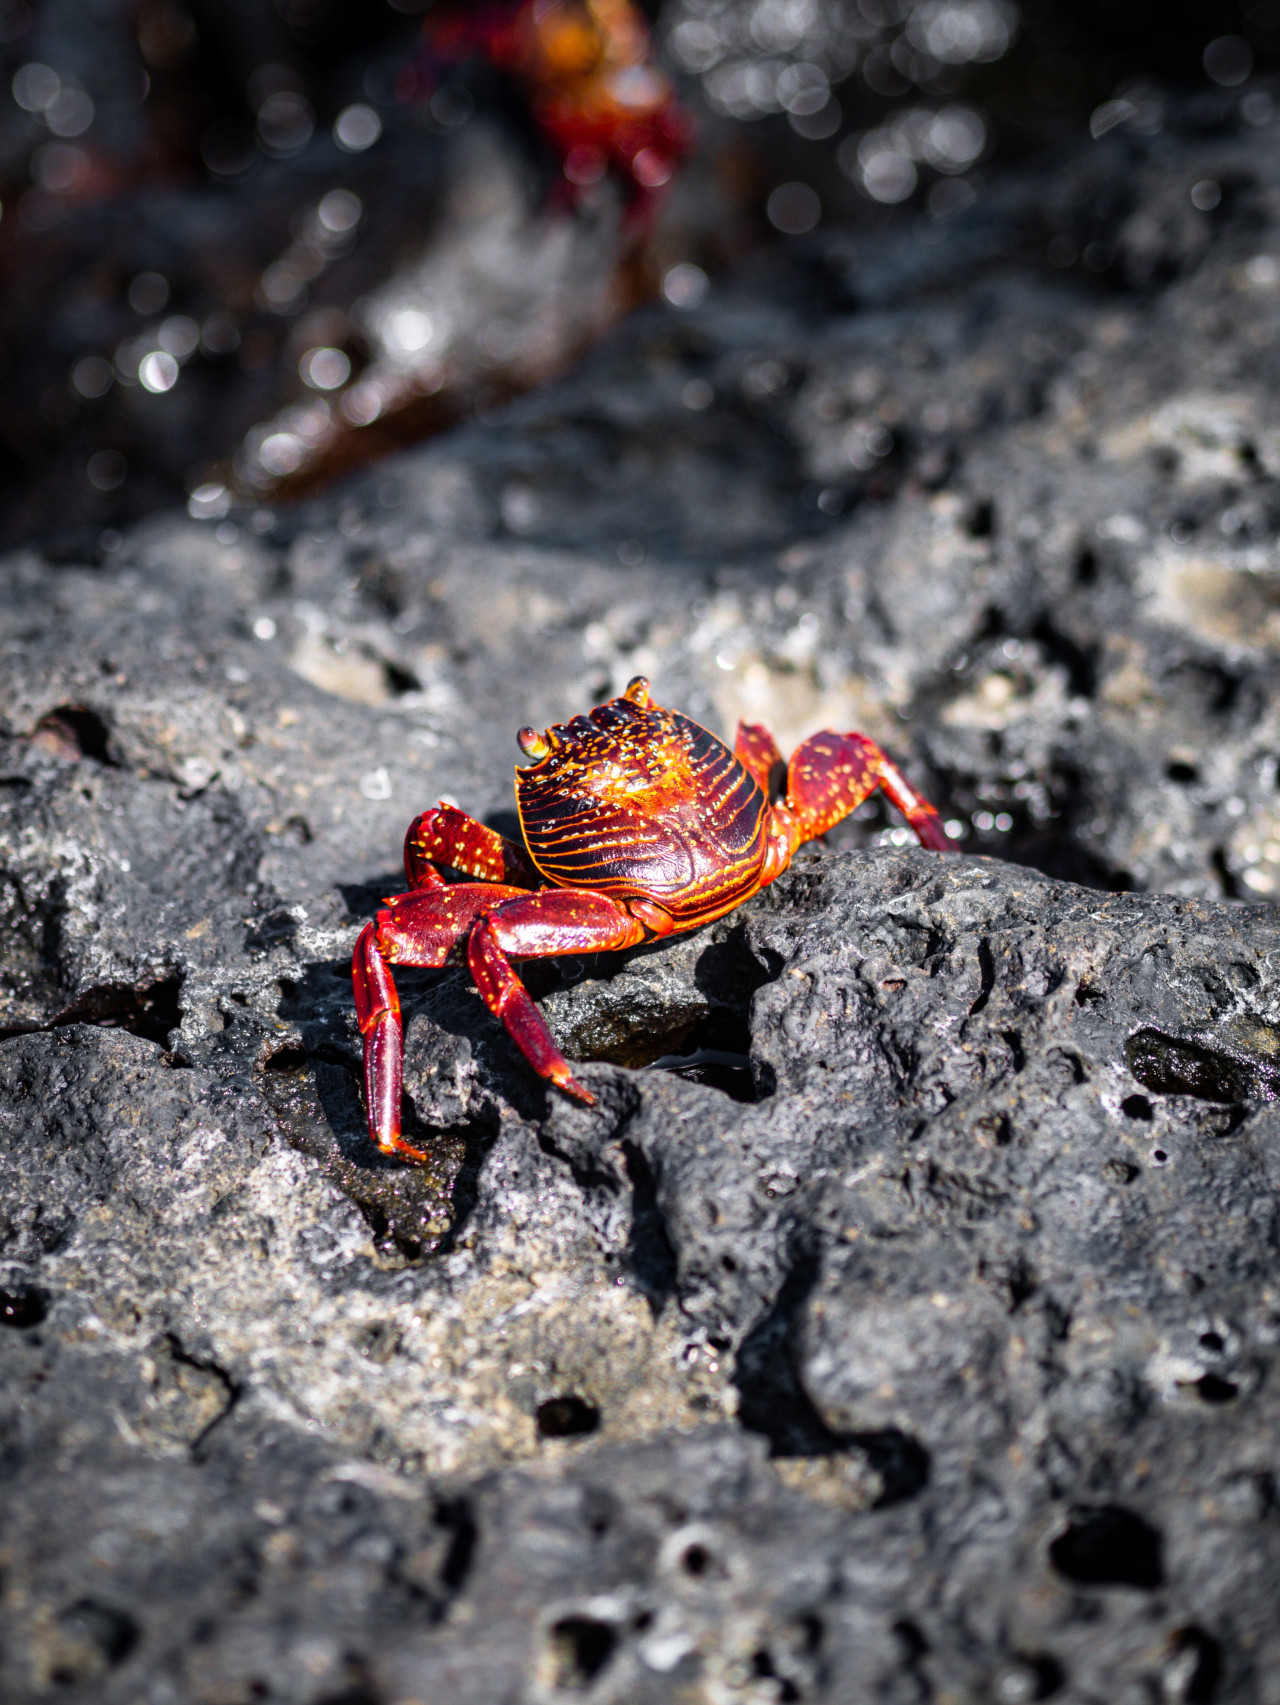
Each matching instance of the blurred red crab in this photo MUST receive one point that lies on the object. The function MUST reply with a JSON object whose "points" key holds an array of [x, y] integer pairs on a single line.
{"points": [[588, 71]]}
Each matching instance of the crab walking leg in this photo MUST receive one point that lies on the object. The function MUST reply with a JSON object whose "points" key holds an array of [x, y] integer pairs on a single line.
{"points": [[831, 774], [757, 751], [422, 928], [378, 1012], [538, 926], [445, 835]]}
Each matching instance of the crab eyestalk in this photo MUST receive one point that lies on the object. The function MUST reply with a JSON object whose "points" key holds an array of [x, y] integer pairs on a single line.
{"points": [[533, 744], [637, 691]]}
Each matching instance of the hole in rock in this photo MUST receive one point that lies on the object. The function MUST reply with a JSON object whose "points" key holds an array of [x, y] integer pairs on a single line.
{"points": [[1087, 567], [1021, 1283], [72, 732], [1182, 773], [901, 1462], [380, 1341], [911, 1642], [580, 1647], [22, 1307], [986, 976], [1080, 662], [1212, 1341], [980, 523], [1158, 1157], [1136, 1107], [269, 929], [1183, 1065], [762, 1665], [456, 1519], [399, 680], [113, 1633], [718, 1069], [1211, 1388], [152, 1010], [297, 832], [1035, 1677], [1108, 1546], [287, 1059], [1223, 1121], [1194, 1668], [716, 1053], [567, 1418], [700, 1562]]}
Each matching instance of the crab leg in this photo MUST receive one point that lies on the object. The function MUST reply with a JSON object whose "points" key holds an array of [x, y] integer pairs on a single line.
{"points": [[757, 751], [538, 926], [831, 774], [421, 928], [378, 1013], [426, 928], [445, 835]]}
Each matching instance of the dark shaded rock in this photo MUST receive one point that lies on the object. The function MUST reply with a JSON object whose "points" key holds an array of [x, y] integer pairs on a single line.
{"points": [[900, 1322], [970, 1303]]}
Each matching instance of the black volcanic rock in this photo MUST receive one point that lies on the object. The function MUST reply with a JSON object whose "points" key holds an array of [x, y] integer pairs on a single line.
{"points": [[901, 1321]]}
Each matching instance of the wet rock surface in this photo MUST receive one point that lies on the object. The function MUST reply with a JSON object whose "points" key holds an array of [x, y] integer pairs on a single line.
{"points": [[900, 1323]]}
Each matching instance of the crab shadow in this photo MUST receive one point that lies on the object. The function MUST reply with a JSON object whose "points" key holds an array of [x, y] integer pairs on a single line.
{"points": [[315, 1087], [687, 1013], [364, 900], [774, 1403]]}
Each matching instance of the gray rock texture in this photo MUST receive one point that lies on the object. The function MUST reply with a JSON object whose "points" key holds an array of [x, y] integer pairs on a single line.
{"points": [[901, 1323]]}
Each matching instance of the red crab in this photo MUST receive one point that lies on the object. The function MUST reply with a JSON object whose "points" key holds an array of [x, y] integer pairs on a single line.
{"points": [[596, 93], [637, 824]]}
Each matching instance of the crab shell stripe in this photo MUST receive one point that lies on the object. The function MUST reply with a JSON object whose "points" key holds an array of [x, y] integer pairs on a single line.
{"points": [[689, 832]]}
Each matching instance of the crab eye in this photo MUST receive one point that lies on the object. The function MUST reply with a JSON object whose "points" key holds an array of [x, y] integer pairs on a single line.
{"points": [[637, 691], [532, 744]]}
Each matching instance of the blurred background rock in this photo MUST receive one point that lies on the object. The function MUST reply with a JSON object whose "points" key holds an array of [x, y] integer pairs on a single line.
{"points": [[246, 245]]}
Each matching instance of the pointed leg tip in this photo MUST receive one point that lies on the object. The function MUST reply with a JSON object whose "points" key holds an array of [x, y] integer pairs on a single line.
{"points": [[399, 1150], [572, 1087]]}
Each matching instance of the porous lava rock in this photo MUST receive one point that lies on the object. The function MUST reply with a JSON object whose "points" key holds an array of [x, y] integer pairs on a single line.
{"points": [[901, 1321]]}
